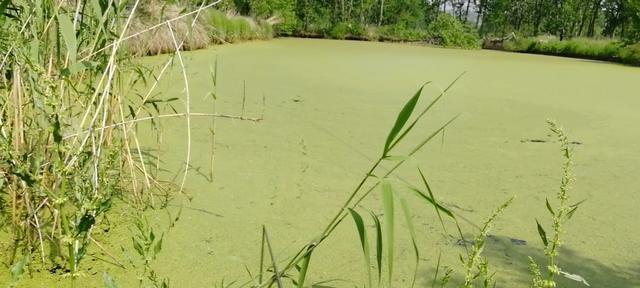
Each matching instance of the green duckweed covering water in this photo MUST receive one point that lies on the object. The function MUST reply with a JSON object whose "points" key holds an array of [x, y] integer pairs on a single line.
{"points": [[329, 106]]}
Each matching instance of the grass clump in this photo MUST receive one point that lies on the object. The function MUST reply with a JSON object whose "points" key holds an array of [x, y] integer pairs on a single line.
{"points": [[160, 40], [211, 27], [70, 102], [587, 48], [229, 28]]}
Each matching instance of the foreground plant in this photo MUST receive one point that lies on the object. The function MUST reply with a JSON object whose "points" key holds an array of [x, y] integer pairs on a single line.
{"points": [[69, 105], [560, 215], [401, 128]]}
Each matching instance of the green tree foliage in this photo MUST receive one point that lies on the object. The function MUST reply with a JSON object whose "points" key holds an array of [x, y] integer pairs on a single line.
{"points": [[563, 18], [447, 22]]}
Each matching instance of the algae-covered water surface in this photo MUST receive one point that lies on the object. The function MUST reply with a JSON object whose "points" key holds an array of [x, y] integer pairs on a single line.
{"points": [[328, 108]]}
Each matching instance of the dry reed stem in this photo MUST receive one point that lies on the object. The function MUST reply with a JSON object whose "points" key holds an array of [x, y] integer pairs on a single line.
{"points": [[151, 28]]}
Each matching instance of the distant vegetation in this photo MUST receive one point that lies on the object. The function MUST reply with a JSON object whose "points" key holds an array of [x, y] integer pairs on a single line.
{"points": [[212, 27], [597, 49], [461, 23]]}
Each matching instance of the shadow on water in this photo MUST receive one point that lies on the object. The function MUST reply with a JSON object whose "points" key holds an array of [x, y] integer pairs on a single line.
{"points": [[511, 257]]}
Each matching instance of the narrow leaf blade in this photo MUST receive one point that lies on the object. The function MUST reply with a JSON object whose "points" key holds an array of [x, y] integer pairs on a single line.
{"points": [[389, 224], [412, 233], [402, 119], [543, 234], [378, 245], [364, 242]]}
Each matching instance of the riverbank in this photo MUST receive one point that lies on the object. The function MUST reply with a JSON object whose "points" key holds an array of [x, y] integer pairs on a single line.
{"points": [[609, 50]]}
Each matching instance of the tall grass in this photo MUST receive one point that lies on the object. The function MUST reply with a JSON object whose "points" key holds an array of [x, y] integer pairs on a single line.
{"points": [[211, 27], [230, 28], [587, 48], [70, 101]]}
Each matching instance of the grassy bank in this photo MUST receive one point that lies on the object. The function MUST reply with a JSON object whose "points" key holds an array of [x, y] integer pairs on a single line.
{"points": [[211, 27], [585, 48]]}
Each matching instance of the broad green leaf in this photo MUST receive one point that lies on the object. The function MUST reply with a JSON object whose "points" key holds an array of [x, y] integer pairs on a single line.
{"points": [[362, 232], [415, 121], [19, 268], [402, 119], [389, 225], [69, 36], [3, 6], [412, 233], [304, 269], [543, 235]]}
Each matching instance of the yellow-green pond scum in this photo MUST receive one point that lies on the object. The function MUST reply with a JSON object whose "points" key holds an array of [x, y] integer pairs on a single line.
{"points": [[329, 106]]}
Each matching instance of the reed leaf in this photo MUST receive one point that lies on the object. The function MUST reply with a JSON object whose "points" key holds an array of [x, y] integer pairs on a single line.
{"points": [[364, 242], [412, 233], [402, 119], [379, 246], [389, 225]]}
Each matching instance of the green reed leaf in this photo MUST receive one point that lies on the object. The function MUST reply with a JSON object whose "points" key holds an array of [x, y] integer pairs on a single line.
{"points": [[402, 119], [364, 242], [389, 225], [412, 233], [433, 198], [304, 269], [376, 221], [432, 202]]}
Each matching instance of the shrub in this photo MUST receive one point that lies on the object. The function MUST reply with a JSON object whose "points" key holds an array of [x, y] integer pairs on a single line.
{"points": [[283, 10], [401, 33], [448, 31], [339, 31], [630, 54]]}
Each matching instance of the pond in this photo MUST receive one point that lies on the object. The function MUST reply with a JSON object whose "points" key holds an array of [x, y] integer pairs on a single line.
{"points": [[328, 106]]}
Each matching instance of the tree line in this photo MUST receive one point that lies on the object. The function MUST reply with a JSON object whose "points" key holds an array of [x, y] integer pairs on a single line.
{"points": [[563, 18]]}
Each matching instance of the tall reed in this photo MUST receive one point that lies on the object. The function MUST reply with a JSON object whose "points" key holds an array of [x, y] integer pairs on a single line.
{"points": [[68, 143]]}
